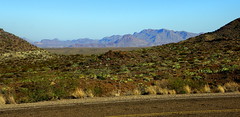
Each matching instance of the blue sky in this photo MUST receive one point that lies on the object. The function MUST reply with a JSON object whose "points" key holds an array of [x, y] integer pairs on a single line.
{"points": [[73, 19]]}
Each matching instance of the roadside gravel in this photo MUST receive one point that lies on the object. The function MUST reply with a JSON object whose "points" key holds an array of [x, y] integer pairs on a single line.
{"points": [[101, 100]]}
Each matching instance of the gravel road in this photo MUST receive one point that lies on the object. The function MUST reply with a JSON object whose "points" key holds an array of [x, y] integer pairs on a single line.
{"points": [[214, 104]]}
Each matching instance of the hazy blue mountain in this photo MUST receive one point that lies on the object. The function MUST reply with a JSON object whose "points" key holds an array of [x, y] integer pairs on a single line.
{"points": [[56, 43], [163, 36], [111, 39], [147, 37], [128, 41]]}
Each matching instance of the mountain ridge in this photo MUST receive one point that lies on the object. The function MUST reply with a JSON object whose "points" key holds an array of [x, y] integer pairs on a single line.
{"points": [[144, 38]]}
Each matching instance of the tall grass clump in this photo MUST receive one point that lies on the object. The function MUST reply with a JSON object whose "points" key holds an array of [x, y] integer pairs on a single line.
{"points": [[116, 93], [220, 89], [187, 89], [231, 87], [79, 93], [163, 91], [89, 93], [10, 99], [206, 89], [152, 90], [136, 92], [2, 100]]}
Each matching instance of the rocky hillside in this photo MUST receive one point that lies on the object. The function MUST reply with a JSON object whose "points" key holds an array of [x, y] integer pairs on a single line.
{"points": [[12, 43], [212, 57]]}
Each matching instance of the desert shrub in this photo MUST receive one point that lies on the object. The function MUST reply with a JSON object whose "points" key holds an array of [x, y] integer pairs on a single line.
{"points": [[124, 69], [43, 90], [97, 91], [183, 85], [177, 84], [206, 70], [162, 83]]}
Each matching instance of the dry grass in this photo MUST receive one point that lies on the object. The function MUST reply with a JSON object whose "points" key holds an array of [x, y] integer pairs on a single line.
{"points": [[10, 99], [2, 100], [89, 93], [187, 89], [116, 93], [52, 83], [172, 92], [231, 87], [136, 92], [221, 89], [79, 93], [163, 91], [206, 89], [152, 90]]}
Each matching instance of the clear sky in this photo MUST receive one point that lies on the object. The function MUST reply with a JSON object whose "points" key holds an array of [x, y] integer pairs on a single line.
{"points": [[73, 19]]}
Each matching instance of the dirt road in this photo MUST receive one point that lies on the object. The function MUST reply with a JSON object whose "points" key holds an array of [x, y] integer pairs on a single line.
{"points": [[200, 105]]}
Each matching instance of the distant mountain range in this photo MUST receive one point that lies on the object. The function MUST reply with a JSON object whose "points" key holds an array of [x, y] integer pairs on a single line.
{"points": [[148, 37]]}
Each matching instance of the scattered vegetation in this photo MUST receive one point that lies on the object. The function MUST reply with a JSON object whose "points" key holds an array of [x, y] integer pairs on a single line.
{"points": [[88, 51], [204, 64]]}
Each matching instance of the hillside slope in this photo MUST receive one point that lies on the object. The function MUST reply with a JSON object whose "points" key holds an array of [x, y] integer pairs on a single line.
{"points": [[213, 57], [12, 43]]}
